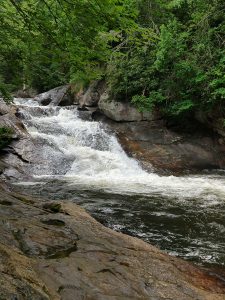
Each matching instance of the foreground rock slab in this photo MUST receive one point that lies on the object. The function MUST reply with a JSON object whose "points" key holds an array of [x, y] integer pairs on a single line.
{"points": [[55, 250]]}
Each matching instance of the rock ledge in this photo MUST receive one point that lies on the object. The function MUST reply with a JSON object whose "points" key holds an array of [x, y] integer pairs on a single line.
{"points": [[55, 250]]}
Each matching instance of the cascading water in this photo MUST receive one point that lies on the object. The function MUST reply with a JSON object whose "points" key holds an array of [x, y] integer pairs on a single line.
{"points": [[80, 159]]}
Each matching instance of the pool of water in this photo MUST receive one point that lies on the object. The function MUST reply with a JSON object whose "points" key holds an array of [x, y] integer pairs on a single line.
{"points": [[191, 228]]}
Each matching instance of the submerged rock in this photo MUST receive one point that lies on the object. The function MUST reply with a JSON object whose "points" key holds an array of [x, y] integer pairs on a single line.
{"points": [[84, 260]]}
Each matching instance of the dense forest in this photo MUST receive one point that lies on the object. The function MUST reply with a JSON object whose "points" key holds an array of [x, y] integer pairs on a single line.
{"points": [[164, 54]]}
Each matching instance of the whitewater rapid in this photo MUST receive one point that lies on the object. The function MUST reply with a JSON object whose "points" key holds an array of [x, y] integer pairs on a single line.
{"points": [[80, 160], [86, 154]]}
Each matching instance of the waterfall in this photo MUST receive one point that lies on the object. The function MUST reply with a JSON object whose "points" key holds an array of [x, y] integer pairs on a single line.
{"points": [[87, 154], [81, 160]]}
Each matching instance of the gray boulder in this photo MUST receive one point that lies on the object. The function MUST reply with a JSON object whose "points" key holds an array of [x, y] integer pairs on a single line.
{"points": [[121, 111], [26, 93], [4, 108], [61, 96], [92, 96]]}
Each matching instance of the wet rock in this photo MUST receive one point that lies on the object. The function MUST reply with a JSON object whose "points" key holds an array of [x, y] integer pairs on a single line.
{"points": [[167, 151], [4, 108], [18, 156], [85, 260], [122, 111], [61, 96], [19, 151], [10, 120]]}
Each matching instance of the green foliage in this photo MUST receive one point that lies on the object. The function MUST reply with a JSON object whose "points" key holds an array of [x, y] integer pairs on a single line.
{"points": [[5, 136], [154, 53], [4, 93], [144, 103], [180, 67], [45, 43]]}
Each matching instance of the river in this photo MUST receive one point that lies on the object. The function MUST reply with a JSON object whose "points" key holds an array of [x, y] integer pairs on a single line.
{"points": [[82, 161]]}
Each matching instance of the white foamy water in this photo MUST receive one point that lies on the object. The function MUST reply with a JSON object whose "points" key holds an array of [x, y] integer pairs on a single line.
{"points": [[86, 154]]}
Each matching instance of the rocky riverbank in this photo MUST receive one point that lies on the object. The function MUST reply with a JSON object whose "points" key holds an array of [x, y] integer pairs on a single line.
{"points": [[156, 143], [55, 250]]}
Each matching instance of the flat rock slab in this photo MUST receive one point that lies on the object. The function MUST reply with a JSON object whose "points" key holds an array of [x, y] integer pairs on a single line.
{"points": [[55, 250]]}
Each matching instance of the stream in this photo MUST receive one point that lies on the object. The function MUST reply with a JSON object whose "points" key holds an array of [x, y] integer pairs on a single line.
{"points": [[82, 161]]}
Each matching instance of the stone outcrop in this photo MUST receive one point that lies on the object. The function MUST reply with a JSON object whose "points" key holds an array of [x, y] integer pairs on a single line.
{"points": [[20, 152], [26, 93], [91, 97], [8, 118], [61, 96], [166, 151], [55, 250], [213, 121], [4, 108], [122, 111]]}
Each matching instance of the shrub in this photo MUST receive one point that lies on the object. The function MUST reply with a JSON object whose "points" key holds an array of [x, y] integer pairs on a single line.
{"points": [[6, 134]]}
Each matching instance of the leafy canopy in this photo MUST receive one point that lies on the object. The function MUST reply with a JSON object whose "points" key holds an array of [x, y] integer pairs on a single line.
{"points": [[164, 54]]}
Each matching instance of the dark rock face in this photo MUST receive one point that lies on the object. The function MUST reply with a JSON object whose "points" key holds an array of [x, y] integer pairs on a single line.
{"points": [[167, 151], [21, 150], [65, 254], [91, 96], [214, 121], [61, 96]]}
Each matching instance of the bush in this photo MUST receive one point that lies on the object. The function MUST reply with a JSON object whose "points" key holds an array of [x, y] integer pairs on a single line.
{"points": [[5, 136], [180, 67]]}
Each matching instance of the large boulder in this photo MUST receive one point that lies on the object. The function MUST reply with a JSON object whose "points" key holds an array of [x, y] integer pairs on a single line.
{"points": [[213, 121], [92, 95], [122, 111], [9, 118], [166, 150], [16, 156], [25, 93], [61, 96], [4, 108]]}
